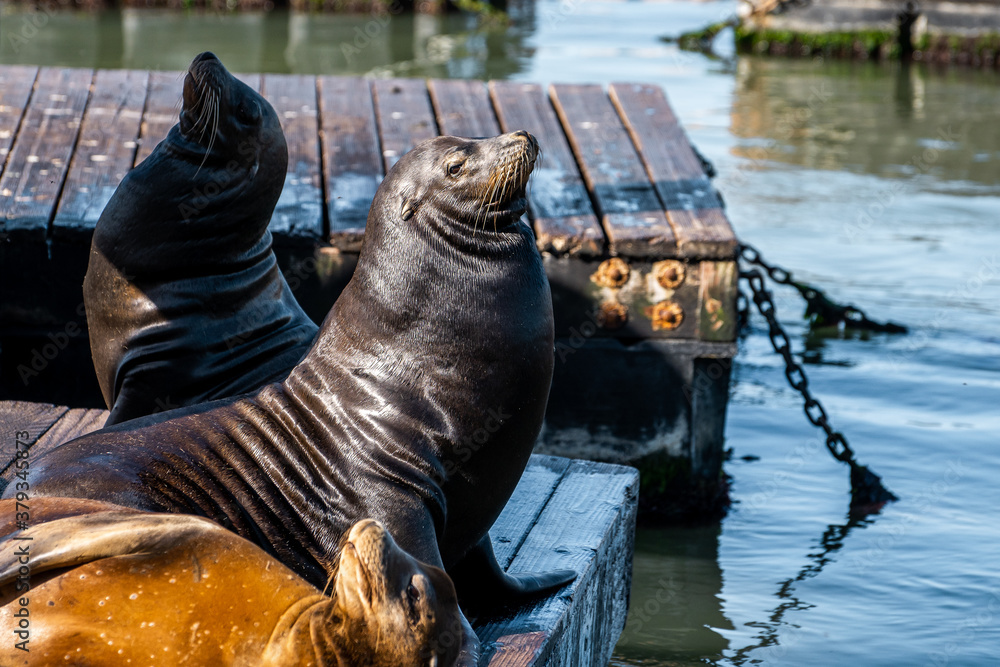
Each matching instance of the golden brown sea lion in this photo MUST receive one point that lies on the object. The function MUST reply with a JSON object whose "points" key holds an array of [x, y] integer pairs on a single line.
{"points": [[93, 584]]}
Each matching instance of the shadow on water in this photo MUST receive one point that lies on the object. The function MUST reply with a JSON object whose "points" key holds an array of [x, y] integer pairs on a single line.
{"points": [[775, 629]]}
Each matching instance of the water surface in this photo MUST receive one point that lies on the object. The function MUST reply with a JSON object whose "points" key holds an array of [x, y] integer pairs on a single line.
{"points": [[880, 183]]}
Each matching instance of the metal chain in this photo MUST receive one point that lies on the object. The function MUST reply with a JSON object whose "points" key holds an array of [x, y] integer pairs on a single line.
{"points": [[815, 413], [867, 491], [820, 308]]}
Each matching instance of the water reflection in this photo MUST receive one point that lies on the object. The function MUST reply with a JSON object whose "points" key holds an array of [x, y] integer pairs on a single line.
{"points": [[774, 630], [888, 120], [403, 44], [675, 605]]}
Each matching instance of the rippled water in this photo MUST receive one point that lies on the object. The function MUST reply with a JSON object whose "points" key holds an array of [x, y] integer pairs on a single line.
{"points": [[880, 184]]}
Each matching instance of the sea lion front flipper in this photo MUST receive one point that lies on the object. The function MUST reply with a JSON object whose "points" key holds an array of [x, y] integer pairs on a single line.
{"points": [[482, 584]]}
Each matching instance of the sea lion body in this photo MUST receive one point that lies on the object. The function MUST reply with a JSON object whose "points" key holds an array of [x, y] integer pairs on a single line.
{"points": [[184, 298], [418, 405], [113, 586]]}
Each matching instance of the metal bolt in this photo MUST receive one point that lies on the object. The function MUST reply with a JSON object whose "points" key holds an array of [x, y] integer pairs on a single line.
{"points": [[613, 272], [666, 314], [612, 315], [669, 273]]}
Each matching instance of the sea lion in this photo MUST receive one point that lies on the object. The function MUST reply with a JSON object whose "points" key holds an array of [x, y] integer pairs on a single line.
{"points": [[111, 586], [184, 299], [418, 405]]}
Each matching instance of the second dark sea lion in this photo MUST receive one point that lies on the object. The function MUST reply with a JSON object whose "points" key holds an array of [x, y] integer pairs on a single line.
{"points": [[185, 301]]}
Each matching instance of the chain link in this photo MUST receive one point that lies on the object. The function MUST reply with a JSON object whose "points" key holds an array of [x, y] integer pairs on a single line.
{"points": [[835, 441], [821, 310]]}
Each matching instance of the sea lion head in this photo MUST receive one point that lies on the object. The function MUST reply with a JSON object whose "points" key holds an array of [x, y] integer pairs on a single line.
{"points": [[394, 610], [227, 126], [472, 186]]}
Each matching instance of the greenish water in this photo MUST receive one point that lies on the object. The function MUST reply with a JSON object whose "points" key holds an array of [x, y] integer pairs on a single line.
{"points": [[879, 183]]}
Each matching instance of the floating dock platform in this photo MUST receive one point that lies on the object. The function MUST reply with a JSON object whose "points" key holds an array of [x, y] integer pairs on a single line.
{"points": [[637, 247]]}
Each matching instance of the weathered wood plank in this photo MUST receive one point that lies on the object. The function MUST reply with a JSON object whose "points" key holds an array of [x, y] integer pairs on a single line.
{"points": [[630, 210], [163, 107], [351, 164], [405, 117], [463, 108], [564, 218], [692, 204], [104, 152], [537, 483], [40, 156], [298, 215], [74, 423], [16, 84], [21, 425], [588, 525]]}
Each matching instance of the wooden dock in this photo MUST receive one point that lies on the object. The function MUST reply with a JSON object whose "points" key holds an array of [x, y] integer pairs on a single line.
{"points": [[637, 247], [578, 515]]}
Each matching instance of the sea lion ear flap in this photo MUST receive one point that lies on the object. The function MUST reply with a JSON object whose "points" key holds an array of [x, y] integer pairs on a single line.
{"points": [[408, 207], [408, 210]]}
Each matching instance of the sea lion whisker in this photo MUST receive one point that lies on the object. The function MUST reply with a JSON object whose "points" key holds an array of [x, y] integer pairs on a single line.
{"points": [[215, 129], [205, 103]]}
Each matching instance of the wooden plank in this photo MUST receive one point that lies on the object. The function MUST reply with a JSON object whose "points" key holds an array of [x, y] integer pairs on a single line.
{"points": [[21, 425], [564, 218], [162, 111], [405, 117], [588, 526], [463, 108], [298, 215], [537, 483], [74, 423], [351, 165], [630, 210], [692, 204], [16, 84], [717, 292], [104, 153], [40, 156]]}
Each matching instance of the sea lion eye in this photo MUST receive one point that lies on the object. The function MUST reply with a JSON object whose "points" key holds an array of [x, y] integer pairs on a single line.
{"points": [[455, 169]]}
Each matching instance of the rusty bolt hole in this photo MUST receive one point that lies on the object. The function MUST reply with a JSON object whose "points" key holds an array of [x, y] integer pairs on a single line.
{"points": [[665, 315], [613, 272], [669, 273], [612, 315]]}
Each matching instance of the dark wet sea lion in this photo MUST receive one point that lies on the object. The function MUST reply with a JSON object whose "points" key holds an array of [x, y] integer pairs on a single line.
{"points": [[185, 302], [111, 586], [418, 405]]}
